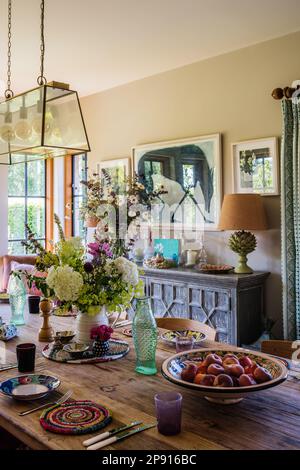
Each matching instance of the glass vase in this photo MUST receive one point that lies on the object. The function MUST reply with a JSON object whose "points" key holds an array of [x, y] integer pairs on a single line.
{"points": [[17, 300], [144, 332]]}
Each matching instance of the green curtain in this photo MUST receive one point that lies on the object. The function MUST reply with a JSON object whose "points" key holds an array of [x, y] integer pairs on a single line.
{"points": [[290, 218]]}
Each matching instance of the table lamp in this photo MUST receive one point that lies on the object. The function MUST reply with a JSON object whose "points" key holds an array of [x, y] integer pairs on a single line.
{"points": [[242, 212]]}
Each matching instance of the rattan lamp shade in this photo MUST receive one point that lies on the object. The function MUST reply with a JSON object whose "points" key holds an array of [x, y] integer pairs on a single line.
{"points": [[243, 212]]}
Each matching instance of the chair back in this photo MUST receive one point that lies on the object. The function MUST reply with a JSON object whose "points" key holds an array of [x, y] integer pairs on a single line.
{"points": [[281, 348], [170, 323]]}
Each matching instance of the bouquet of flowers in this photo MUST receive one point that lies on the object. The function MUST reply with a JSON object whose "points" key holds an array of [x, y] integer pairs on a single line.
{"points": [[121, 207], [85, 284]]}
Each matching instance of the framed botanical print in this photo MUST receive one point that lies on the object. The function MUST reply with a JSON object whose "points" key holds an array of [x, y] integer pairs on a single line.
{"points": [[190, 170], [117, 170], [256, 167]]}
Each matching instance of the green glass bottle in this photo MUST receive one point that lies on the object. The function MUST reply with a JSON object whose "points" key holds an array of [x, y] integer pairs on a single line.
{"points": [[144, 332]]}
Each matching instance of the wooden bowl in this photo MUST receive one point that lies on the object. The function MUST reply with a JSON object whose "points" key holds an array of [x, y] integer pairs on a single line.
{"points": [[173, 366]]}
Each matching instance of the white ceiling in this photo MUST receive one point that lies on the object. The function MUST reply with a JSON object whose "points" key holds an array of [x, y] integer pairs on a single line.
{"points": [[99, 44]]}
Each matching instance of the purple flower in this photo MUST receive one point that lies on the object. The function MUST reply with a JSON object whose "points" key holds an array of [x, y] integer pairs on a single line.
{"points": [[101, 333], [94, 249], [105, 248], [88, 267]]}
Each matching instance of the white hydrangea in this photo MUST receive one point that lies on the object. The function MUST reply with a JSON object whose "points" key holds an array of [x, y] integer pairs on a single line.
{"points": [[65, 282], [128, 270]]}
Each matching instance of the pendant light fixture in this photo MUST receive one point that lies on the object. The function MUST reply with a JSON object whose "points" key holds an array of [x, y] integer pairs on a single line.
{"points": [[44, 122]]}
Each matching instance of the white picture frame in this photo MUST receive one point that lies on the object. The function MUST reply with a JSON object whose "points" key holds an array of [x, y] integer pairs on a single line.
{"points": [[260, 160], [122, 165], [209, 150]]}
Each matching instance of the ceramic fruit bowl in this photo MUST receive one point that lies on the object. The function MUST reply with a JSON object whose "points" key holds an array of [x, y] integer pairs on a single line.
{"points": [[226, 375], [170, 336], [64, 336], [29, 387]]}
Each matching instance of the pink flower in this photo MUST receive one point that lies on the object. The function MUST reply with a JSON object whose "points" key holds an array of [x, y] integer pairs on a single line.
{"points": [[101, 333]]}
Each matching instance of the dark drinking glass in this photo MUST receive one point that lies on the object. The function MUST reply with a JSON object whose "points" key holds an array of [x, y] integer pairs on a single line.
{"points": [[168, 412], [34, 303], [26, 357]]}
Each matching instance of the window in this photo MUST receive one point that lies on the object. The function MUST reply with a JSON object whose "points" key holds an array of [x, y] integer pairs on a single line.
{"points": [[79, 173], [26, 203]]}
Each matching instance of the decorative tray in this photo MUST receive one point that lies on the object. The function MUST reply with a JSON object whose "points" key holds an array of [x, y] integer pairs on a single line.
{"points": [[117, 350], [214, 268]]}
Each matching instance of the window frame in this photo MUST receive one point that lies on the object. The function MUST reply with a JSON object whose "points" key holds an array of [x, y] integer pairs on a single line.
{"points": [[70, 194], [25, 197]]}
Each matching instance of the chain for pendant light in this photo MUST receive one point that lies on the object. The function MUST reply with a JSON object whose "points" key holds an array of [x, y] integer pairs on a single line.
{"points": [[41, 78], [8, 92]]}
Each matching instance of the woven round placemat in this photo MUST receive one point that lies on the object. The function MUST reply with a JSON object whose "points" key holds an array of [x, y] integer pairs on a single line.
{"points": [[78, 417]]}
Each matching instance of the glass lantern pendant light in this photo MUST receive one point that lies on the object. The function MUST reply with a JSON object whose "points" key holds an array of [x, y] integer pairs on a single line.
{"points": [[45, 122]]}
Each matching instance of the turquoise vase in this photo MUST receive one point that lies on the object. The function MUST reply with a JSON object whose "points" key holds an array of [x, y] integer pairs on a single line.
{"points": [[144, 332], [17, 300]]}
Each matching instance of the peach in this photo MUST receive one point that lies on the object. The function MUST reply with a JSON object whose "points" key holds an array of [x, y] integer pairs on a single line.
{"points": [[202, 368], [204, 379], [245, 361], [230, 360], [250, 369], [189, 372], [223, 380], [229, 355], [234, 369], [261, 375], [246, 380], [212, 359], [215, 369], [235, 381]]}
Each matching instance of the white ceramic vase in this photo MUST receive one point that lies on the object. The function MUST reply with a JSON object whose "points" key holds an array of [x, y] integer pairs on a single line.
{"points": [[84, 323]]}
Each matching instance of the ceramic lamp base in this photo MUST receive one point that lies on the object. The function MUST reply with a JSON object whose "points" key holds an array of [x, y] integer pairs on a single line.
{"points": [[242, 267]]}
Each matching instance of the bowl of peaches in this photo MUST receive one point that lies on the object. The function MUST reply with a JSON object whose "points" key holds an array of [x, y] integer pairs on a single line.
{"points": [[224, 376]]}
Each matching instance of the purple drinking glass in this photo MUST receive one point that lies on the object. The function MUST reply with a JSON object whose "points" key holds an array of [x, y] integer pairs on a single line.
{"points": [[184, 343], [168, 412]]}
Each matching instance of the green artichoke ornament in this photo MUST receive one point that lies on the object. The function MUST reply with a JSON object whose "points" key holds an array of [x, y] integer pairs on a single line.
{"points": [[243, 243]]}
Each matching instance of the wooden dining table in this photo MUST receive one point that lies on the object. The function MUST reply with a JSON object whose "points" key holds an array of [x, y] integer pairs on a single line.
{"points": [[269, 419]]}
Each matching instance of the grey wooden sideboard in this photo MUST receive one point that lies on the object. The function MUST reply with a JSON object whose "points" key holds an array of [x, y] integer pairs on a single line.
{"points": [[233, 304]]}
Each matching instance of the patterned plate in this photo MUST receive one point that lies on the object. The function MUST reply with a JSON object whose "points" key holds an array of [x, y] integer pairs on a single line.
{"points": [[29, 387], [170, 336], [79, 417], [117, 350]]}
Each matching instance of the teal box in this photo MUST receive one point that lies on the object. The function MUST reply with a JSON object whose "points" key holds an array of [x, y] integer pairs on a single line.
{"points": [[168, 247]]}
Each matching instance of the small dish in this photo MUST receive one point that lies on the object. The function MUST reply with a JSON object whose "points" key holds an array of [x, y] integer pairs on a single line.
{"points": [[214, 268], [76, 348], [170, 336], [64, 336], [29, 387]]}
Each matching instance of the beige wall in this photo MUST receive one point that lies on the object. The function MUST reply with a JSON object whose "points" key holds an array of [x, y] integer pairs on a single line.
{"points": [[229, 94]]}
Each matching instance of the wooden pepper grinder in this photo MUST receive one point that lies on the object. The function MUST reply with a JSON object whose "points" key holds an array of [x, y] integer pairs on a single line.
{"points": [[46, 333]]}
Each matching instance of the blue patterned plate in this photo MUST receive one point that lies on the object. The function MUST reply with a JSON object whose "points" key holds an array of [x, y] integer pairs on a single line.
{"points": [[170, 336], [29, 387]]}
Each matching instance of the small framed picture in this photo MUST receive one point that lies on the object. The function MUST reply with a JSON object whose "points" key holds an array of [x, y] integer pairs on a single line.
{"points": [[117, 170], [256, 167]]}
